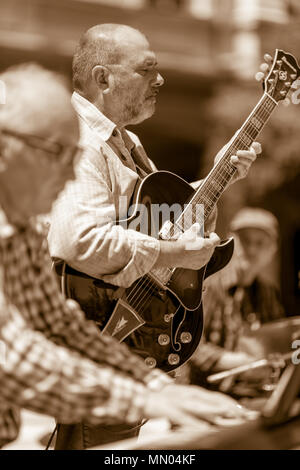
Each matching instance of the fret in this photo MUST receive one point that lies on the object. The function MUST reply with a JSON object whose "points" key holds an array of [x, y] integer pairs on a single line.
{"points": [[204, 199], [217, 186], [269, 103], [229, 168], [207, 198], [251, 131], [243, 141], [209, 191], [188, 217], [256, 122]]}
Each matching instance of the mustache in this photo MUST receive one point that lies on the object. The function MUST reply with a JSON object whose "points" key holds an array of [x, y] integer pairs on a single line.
{"points": [[153, 94]]}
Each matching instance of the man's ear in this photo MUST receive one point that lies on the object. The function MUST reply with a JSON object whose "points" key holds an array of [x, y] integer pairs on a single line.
{"points": [[100, 76]]}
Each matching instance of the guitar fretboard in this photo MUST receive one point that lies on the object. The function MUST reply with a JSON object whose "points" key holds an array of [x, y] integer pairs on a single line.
{"points": [[220, 176]]}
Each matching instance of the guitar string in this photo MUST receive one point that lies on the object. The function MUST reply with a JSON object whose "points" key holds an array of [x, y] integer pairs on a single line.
{"points": [[145, 302], [134, 293], [146, 293], [263, 113]]}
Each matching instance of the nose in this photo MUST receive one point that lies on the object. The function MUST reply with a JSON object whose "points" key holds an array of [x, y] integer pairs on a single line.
{"points": [[158, 81]]}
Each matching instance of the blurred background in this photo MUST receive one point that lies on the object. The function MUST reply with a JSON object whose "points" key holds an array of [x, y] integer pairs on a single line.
{"points": [[208, 53]]}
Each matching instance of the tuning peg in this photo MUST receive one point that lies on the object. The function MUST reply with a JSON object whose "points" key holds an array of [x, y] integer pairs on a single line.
{"points": [[293, 76], [279, 62], [275, 71], [288, 84], [283, 92]]}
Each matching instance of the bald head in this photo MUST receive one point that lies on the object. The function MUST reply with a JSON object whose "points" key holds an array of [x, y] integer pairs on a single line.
{"points": [[103, 44], [37, 101]]}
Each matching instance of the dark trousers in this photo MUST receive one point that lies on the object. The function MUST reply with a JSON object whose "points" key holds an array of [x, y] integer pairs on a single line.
{"points": [[82, 436]]}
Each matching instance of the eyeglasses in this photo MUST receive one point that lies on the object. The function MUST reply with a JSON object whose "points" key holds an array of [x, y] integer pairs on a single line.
{"points": [[63, 154]]}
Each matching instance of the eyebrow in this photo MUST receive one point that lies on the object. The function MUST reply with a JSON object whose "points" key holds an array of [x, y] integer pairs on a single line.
{"points": [[149, 61]]}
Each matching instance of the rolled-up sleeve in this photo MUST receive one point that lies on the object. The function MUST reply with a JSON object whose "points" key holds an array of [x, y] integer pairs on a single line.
{"points": [[84, 231]]}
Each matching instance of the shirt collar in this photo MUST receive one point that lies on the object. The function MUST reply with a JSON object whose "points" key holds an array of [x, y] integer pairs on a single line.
{"points": [[92, 116]]}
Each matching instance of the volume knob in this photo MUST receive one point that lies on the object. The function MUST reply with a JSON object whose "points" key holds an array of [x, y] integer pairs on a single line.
{"points": [[150, 362], [163, 339], [168, 317], [185, 337], [173, 359]]}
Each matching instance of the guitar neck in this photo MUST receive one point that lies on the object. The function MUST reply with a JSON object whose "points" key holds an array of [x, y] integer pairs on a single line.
{"points": [[220, 176]]}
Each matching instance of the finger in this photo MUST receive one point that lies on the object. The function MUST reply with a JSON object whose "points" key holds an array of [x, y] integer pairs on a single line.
{"points": [[246, 154], [195, 228], [257, 147], [242, 163], [268, 58], [259, 76], [264, 67], [213, 239], [185, 418], [191, 233], [234, 411], [226, 384], [210, 412]]}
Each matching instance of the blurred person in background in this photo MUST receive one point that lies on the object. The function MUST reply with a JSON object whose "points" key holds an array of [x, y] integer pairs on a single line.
{"points": [[238, 300], [116, 83], [55, 361]]}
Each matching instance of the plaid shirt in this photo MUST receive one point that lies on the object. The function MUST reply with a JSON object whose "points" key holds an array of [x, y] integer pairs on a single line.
{"points": [[83, 231], [42, 376]]}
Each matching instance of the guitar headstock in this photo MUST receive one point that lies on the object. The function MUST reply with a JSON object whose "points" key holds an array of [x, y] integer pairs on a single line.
{"points": [[284, 71]]}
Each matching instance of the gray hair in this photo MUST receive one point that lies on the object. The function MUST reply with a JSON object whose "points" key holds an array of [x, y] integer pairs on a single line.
{"points": [[99, 45], [32, 94]]}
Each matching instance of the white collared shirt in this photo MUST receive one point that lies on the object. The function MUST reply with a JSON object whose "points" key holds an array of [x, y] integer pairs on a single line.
{"points": [[83, 228]]}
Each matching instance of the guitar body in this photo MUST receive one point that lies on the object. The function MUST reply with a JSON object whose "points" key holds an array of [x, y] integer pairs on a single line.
{"points": [[162, 323]]}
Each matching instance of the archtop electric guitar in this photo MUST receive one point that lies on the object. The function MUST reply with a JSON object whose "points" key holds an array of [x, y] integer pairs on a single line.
{"points": [[160, 315]]}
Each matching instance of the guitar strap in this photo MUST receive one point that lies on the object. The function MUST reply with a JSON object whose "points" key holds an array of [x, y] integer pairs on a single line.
{"points": [[138, 155], [141, 168]]}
